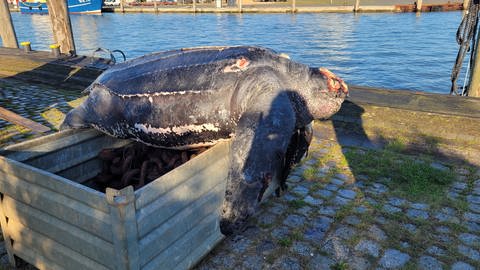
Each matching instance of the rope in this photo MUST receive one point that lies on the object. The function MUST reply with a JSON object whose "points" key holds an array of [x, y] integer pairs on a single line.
{"points": [[466, 34], [113, 60]]}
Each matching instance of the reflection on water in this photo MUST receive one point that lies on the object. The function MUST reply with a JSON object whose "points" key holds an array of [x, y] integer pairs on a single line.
{"points": [[400, 51]]}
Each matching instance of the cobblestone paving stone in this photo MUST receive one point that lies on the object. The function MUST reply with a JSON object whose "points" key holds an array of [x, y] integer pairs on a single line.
{"points": [[30, 101], [357, 222]]}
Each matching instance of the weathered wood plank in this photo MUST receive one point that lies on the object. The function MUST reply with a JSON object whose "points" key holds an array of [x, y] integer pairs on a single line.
{"points": [[51, 250], [164, 236], [22, 121], [58, 184], [67, 209], [180, 197], [186, 245], [152, 191], [33, 257], [201, 251], [37, 141], [47, 147], [7, 32], [61, 26], [66, 234], [82, 172], [75, 154]]}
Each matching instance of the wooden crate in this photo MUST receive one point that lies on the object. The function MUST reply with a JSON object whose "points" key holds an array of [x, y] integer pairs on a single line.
{"points": [[52, 221]]}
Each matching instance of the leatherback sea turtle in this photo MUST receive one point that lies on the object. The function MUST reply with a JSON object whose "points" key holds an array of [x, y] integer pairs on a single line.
{"points": [[195, 97]]}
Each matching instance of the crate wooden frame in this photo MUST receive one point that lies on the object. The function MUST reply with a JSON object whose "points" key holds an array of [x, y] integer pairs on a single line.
{"points": [[52, 221]]}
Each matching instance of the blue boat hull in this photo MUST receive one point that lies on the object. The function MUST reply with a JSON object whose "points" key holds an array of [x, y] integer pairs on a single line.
{"points": [[74, 6]]}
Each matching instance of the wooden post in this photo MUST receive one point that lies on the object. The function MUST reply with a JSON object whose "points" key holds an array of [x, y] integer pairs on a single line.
{"points": [[7, 32], [122, 6], [419, 6], [474, 83], [357, 6], [294, 7], [194, 2], [62, 28], [155, 6], [240, 6], [466, 3], [125, 242]]}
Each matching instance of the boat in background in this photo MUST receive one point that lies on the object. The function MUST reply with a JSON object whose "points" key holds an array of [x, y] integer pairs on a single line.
{"points": [[74, 6]]}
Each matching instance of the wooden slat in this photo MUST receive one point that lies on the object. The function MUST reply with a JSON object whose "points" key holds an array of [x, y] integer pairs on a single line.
{"points": [[82, 172], [37, 141], [22, 121], [155, 189], [71, 211], [60, 185], [75, 154], [186, 245], [201, 251], [53, 145], [73, 237], [162, 238], [51, 250], [31, 256], [180, 197]]}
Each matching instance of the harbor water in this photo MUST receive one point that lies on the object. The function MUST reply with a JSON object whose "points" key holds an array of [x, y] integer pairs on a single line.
{"points": [[388, 50]]}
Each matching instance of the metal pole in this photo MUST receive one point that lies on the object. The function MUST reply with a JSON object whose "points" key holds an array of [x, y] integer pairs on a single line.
{"points": [[7, 32], [61, 25]]}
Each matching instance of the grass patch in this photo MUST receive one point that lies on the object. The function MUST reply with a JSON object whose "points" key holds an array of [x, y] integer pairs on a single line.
{"points": [[344, 211], [285, 242], [412, 179], [297, 204], [309, 173], [342, 265]]}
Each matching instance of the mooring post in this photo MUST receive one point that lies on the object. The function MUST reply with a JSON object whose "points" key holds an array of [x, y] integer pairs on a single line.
{"points": [[7, 32], [155, 6], [474, 83], [356, 8], [62, 28], [240, 6], [419, 6], [194, 6], [122, 6], [294, 6]]}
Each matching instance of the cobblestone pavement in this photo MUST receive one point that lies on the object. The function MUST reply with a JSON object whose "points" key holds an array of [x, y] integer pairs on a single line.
{"points": [[40, 103], [333, 219]]}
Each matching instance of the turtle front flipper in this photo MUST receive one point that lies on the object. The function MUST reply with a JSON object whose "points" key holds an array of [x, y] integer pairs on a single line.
{"points": [[257, 156]]}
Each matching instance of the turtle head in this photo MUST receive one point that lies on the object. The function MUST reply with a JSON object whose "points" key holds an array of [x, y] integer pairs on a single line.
{"points": [[75, 118], [326, 93]]}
